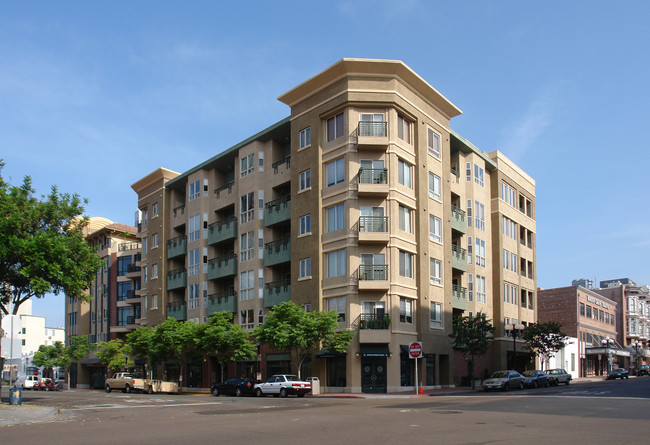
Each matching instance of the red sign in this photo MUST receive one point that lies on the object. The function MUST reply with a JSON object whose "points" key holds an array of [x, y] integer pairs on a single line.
{"points": [[415, 349]]}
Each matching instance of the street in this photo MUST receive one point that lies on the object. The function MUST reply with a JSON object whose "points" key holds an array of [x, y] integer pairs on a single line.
{"points": [[594, 412]]}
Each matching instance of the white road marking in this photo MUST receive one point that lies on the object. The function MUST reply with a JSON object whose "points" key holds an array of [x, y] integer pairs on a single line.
{"points": [[167, 405]]}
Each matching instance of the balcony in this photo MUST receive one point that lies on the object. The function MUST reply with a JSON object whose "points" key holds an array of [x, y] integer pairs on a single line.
{"points": [[223, 266], [459, 297], [458, 220], [458, 258], [177, 247], [277, 211], [176, 279], [374, 328], [373, 181], [373, 229], [178, 216], [373, 277], [224, 190], [277, 252], [222, 302], [124, 247], [372, 135], [277, 292], [280, 166], [178, 310], [132, 271], [223, 230]]}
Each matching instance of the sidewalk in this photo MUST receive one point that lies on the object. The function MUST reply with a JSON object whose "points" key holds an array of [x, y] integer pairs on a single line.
{"points": [[16, 415]]}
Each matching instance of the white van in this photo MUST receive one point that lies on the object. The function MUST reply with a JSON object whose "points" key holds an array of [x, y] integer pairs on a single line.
{"points": [[26, 382]]}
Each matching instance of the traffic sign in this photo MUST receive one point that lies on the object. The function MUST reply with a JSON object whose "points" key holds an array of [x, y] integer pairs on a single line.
{"points": [[415, 349]]}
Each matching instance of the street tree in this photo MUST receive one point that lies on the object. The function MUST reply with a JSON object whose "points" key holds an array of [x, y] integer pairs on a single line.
{"points": [[51, 356], [142, 345], [177, 340], [78, 348], [114, 354], [228, 342], [42, 245], [289, 327], [544, 339], [472, 335]]}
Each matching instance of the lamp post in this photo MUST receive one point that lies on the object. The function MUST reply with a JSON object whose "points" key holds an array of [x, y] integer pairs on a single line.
{"points": [[608, 343], [514, 329], [636, 344]]}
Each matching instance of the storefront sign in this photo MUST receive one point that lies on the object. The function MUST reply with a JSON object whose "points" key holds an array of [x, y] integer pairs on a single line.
{"points": [[593, 300]]}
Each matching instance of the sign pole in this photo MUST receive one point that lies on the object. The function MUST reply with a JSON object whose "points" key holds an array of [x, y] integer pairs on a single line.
{"points": [[416, 376]]}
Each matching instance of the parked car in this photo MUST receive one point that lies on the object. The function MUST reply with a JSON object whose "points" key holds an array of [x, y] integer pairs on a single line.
{"points": [[44, 384], [557, 376], [233, 386], [536, 379], [643, 370], [282, 385], [26, 382], [618, 373], [504, 380]]}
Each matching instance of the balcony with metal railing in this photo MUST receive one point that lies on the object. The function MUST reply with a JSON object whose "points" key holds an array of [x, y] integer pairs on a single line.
{"points": [[178, 216], [373, 277], [222, 302], [458, 220], [373, 181], [459, 297], [223, 230], [177, 247], [178, 310], [373, 328], [176, 279], [223, 266], [277, 211], [373, 229], [277, 292], [373, 135], [458, 258], [277, 252]]}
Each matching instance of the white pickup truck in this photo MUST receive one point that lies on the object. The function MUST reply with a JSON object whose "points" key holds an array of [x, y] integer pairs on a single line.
{"points": [[128, 382]]}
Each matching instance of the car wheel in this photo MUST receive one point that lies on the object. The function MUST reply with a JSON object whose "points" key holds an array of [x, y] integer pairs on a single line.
{"points": [[535, 384], [259, 392], [546, 385], [521, 385], [215, 391], [238, 392], [567, 382], [506, 387], [108, 388], [283, 393], [150, 390], [127, 389]]}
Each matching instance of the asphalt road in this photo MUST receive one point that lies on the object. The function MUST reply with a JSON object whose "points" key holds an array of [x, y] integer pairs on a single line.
{"points": [[604, 412]]}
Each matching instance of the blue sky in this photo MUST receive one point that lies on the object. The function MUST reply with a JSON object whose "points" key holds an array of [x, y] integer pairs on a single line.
{"points": [[95, 95]]}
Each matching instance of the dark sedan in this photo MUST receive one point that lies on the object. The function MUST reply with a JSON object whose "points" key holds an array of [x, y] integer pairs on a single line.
{"points": [[618, 373], [536, 379], [233, 386]]}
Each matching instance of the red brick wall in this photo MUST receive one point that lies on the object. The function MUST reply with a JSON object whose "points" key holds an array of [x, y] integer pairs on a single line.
{"points": [[559, 304]]}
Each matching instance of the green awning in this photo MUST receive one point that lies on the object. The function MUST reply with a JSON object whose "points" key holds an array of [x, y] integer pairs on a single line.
{"points": [[324, 353], [278, 357], [375, 351]]}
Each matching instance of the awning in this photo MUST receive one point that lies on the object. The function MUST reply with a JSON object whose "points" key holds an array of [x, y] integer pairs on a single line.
{"points": [[92, 362], [278, 357], [324, 353], [375, 351]]}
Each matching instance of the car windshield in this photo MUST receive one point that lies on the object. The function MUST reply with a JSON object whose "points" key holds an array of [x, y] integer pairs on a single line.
{"points": [[530, 373], [500, 374], [292, 378], [553, 371]]}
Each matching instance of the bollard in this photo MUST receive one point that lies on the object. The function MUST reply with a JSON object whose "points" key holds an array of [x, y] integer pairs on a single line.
{"points": [[15, 396]]}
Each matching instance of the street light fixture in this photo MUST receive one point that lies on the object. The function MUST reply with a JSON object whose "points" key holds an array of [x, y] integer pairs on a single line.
{"points": [[609, 343], [636, 344], [514, 329]]}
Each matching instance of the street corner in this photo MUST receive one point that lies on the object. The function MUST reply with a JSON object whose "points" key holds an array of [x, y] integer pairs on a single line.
{"points": [[18, 415]]}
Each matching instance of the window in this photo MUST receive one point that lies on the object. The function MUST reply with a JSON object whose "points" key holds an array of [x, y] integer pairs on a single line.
{"points": [[305, 224], [405, 219], [336, 304], [247, 285], [154, 271], [435, 271], [405, 310], [335, 127], [433, 143], [305, 268], [469, 213], [247, 319], [304, 180], [336, 263], [305, 137], [193, 296], [404, 173], [247, 164], [405, 264], [403, 129], [470, 287], [195, 227], [195, 190], [508, 228], [588, 311], [468, 171], [435, 315], [247, 208], [479, 216], [335, 172], [193, 262], [246, 246], [478, 175], [154, 240], [434, 186], [123, 264], [435, 229], [480, 289], [145, 244], [508, 194], [470, 250], [154, 210], [335, 218], [154, 302], [480, 252]]}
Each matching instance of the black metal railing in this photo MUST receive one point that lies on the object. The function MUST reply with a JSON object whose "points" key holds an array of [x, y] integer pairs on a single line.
{"points": [[375, 224], [373, 272], [219, 225], [278, 286], [277, 204], [373, 176], [227, 186], [377, 129], [223, 259], [285, 160], [178, 211], [374, 321]]}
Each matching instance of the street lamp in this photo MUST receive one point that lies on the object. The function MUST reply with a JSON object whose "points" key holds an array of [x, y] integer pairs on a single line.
{"points": [[514, 329], [636, 344], [609, 343]]}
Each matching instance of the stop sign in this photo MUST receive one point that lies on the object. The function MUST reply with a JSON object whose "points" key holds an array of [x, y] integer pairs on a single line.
{"points": [[415, 349]]}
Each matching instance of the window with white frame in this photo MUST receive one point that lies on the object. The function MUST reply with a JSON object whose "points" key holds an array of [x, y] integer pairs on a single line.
{"points": [[435, 271], [336, 304], [305, 224], [193, 262], [435, 315], [154, 302], [335, 126], [247, 164], [479, 252], [405, 173], [468, 171], [508, 194], [247, 319], [305, 137], [478, 175], [335, 217], [508, 228], [304, 180], [246, 246], [469, 213], [195, 190], [247, 207], [435, 229], [405, 219], [479, 216], [193, 296], [305, 268], [433, 143], [403, 129], [405, 264], [335, 171], [154, 240], [481, 288], [470, 250], [145, 244], [154, 271], [470, 287], [405, 310], [195, 228], [154, 210], [434, 186], [247, 285], [336, 263]]}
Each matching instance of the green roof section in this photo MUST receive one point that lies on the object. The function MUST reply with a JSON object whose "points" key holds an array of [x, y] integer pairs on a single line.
{"points": [[466, 147], [264, 135]]}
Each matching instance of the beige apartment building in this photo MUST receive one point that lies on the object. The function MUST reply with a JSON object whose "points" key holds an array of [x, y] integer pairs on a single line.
{"points": [[363, 201]]}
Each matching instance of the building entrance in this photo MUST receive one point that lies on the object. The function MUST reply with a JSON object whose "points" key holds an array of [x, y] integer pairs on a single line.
{"points": [[373, 374]]}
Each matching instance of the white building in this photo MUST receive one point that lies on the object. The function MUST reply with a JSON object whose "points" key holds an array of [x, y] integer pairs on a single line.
{"points": [[566, 358]]}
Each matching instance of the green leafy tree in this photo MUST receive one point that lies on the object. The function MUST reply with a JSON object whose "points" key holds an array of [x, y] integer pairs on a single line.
{"points": [[227, 341], [544, 339], [141, 344], [51, 356], [77, 349], [472, 335], [289, 327], [177, 340], [42, 245], [114, 354]]}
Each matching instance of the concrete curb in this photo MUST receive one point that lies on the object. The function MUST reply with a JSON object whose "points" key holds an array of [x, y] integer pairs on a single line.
{"points": [[19, 415]]}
